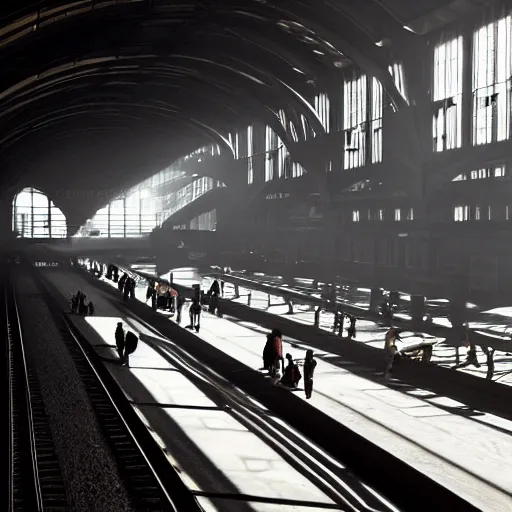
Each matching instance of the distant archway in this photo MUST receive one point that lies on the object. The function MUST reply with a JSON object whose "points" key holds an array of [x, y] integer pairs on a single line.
{"points": [[35, 216]]}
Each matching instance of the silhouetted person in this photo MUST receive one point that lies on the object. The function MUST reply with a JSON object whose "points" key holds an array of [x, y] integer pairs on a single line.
{"points": [[121, 283], [195, 316], [82, 308], [336, 321], [131, 284], [269, 349], [341, 324], [471, 359], [131, 342], [154, 299], [222, 288], [317, 316], [215, 289], [351, 331], [129, 289], [291, 373], [214, 304], [149, 291], [390, 349], [180, 301], [309, 371], [119, 335], [90, 309], [387, 312], [276, 354], [74, 303]]}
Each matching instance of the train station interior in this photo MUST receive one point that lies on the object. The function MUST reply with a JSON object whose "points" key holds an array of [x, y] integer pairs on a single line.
{"points": [[217, 179]]}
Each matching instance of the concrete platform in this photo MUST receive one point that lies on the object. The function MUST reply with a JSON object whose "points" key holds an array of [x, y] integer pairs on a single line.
{"points": [[492, 325], [212, 450], [466, 451], [372, 334]]}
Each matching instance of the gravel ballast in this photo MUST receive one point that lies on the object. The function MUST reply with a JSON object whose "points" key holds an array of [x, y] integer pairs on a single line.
{"points": [[88, 467]]}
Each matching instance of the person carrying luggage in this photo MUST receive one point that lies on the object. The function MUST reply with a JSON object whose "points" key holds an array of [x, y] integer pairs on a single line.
{"points": [[291, 374]]}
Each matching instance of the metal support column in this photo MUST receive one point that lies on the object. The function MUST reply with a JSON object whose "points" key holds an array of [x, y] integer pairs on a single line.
{"points": [[375, 299], [124, 217], [108, 220], [417, 308], [49, 218], [31, 213]]}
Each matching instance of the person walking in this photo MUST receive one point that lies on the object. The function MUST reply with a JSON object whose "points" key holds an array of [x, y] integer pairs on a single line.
{"points": [[195, 315], [131, 342], [309, 370], [119, 335]]}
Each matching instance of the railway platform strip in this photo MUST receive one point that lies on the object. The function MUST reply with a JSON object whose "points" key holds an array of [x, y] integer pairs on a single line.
{"points": [[372, 334], [369, 332], [466, 451], [216, 455]]}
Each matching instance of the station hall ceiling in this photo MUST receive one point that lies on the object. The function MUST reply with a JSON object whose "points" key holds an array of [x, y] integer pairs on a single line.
{"points": [[103, 93]]}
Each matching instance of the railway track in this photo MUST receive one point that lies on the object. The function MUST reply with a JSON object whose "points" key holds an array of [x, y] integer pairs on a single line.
{"points": [[347, 492], [34, 478], [151, 482]]}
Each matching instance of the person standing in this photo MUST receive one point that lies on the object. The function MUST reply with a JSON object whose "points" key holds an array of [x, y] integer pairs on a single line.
{"points": [[195, 315], [82, 308], [149, 291], [351, 331], [390, 349], [277, 354], [180, 301], [119, 335], [309, 370], [131, 342]]}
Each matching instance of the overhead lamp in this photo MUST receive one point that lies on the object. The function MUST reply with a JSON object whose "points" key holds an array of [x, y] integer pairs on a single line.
{"points": [[379, 43], [195, 175], [318, 52], [299, 71], [409, 29]]}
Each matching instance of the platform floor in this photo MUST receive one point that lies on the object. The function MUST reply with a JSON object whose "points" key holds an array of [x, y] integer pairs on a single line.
{"points": [[372, 334], [213, 451], [368, 332], [467, 451]]}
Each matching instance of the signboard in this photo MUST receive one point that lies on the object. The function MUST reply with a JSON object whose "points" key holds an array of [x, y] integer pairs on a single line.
{"points": [[46, 264], [194, 256], [277, 195]]}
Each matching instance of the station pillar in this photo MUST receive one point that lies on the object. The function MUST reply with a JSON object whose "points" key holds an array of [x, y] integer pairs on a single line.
{"points": [[417, 308], [376, 298], [394, 298]]}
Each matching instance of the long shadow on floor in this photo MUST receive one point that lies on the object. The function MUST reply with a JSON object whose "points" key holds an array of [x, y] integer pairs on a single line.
{"points": [[372, 374], [190, 459]]}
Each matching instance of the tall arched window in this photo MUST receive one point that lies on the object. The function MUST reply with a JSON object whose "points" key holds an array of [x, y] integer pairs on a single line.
{"points": [[35, 216]]}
